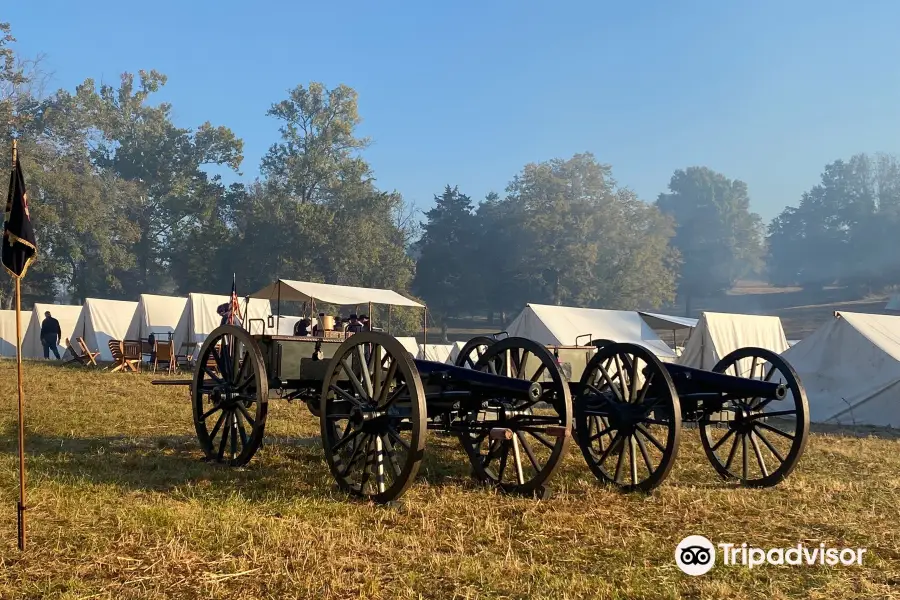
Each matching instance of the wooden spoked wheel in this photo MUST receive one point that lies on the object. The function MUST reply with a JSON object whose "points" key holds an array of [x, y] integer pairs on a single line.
{"points": [[757, 440], [373, 417], [628, 417], [472, 351], [230, 394], [517, 444]]}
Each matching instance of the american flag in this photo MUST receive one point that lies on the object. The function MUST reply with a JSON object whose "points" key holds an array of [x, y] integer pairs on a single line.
{"points": [[235, 303]]}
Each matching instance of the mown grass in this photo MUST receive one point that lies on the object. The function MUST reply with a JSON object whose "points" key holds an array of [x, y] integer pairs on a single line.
{"points": [[122, 507]]}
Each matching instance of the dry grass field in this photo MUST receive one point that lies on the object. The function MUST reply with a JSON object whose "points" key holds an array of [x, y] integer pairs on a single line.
{"points": [[122, 507]]}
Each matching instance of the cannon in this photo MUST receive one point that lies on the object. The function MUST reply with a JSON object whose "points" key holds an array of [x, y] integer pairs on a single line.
{"points": [[375, 402], [751, 411]]}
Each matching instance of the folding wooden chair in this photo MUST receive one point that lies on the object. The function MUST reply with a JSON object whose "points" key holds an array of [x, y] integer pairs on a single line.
{"points": [[131, 351], [76, 357], [124, 362], [90, 357], [164, 353]]}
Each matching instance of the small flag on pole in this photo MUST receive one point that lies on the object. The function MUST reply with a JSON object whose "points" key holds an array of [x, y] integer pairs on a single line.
{"points": [[234, 315], [19, 249], [19, 245]]}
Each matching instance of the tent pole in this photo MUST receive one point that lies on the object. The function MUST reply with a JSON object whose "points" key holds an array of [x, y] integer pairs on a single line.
{"points": [[425, 326], [371, 317], [390, 316]]}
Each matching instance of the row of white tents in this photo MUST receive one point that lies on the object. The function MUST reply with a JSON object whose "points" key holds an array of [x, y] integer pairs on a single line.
{"points": [[98, 321], [850, 366]]}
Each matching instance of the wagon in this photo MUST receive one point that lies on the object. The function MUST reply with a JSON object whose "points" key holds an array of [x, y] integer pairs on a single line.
{"points": [[375, 402], [751, 411]]}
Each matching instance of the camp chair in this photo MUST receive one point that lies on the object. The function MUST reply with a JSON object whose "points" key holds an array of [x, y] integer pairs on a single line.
{"points": [[131, 350], [91, 357], [76, 357], [124, 362], [187, 356], [164, 353]]}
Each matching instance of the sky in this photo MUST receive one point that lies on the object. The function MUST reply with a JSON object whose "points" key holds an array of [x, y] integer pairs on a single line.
{"points": [[467, 93]]}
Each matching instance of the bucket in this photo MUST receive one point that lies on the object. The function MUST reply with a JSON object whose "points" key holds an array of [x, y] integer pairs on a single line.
{"points": [[327, 323]]}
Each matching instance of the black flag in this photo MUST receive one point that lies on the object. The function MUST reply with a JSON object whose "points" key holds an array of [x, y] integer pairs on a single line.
{"points": [[19, 245]]}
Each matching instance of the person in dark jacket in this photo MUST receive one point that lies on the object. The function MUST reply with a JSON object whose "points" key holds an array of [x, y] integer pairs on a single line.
{"points": [[50, 335], [364, 319], [353, 325]]}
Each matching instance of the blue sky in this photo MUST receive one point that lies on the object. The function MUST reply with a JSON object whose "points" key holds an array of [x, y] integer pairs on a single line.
{"points": [[467, 93]]}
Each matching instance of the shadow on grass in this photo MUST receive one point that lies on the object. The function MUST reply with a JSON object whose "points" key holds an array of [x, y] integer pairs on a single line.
{"points": [[285, 466]]}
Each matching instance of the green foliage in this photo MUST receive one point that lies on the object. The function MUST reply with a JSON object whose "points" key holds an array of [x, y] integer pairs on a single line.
{"points": [[843, 230], [564, 232], [718, 238], [446, 258]]}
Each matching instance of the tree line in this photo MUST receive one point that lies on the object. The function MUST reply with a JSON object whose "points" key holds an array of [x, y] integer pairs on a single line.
{"points": [[125, 202]]}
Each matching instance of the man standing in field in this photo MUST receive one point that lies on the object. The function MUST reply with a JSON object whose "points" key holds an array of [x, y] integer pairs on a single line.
{"points": [[50, 335]]}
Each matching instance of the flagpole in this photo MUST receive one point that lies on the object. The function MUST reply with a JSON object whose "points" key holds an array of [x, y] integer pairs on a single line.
{"points": [[21, 506]]}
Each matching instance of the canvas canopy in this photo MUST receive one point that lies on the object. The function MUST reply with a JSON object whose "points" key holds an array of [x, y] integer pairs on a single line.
{"points": [[850, 368], [303, 291], [718, 334], [435, 352], [66, 314], [158, 315], [561, 325], [200, 318], [8, 331], [657, 321], [103, 320]]}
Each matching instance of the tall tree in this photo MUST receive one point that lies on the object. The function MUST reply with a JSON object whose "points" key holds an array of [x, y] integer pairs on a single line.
{"points": [[717, 236], [842, 229], [139, 143], [566, 234], [445, 259], [317, 214]]}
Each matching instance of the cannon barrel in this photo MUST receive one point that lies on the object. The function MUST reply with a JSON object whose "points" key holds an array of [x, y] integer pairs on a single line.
{"points": [[696, 381], [477, 381]]}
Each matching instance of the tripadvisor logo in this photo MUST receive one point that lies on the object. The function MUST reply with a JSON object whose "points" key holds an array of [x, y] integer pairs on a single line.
{"points": [[696, 555]]}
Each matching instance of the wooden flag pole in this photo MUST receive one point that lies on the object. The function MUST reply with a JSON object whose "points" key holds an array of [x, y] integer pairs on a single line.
{"points": [[21, 506]]}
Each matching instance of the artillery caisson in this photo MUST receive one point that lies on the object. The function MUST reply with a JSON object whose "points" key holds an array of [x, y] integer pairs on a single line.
{"points": [[750, 410], [511, 409]]}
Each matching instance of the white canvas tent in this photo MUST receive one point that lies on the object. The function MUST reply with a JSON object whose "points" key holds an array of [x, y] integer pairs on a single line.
{"points": [[893, 304], [8, 331], [561, 325], [103, 320], [850, 368], [410, 344], [667, 322], [200, 318], [718, 334], [158, 315], [454, 352], [66, 314], [435, 352]]}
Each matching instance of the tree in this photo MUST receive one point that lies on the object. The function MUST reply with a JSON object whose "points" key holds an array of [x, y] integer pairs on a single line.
{"points": [[566, 234], [316, 215], [842, 228], [445, 256], [138, 143], [717, 236]]}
